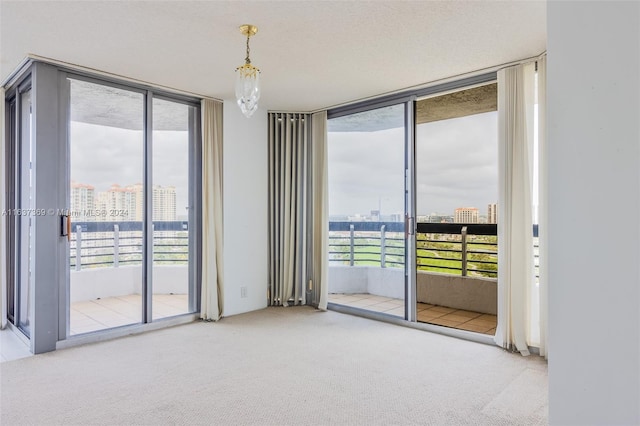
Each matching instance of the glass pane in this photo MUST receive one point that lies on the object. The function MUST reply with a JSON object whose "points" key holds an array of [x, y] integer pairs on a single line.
{"points": [[26, 221], [366, 155], [171, 128], [10, 223], [106, 143], [457, 191]]}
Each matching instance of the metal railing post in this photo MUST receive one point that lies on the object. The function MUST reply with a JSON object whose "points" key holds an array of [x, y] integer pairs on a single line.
{"points": [[78, 247], [351, 256], [116, 245], [463, 234], [383, 246]]}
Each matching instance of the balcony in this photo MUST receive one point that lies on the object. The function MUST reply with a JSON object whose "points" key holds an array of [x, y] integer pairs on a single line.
{"points": [[456, 280], [456, 272], [106, 273]]}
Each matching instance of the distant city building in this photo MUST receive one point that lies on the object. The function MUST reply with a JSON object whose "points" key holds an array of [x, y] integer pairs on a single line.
{"points": [[436, 218], [164, 203], [397, 217], [375, 215], [82, 201], [466, 215], [355, 218], [139, 209], [117, 204], [492, 213]]}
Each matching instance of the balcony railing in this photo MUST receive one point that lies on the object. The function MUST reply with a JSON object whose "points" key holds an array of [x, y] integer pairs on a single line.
{"points": [[452, 248], [367, 243], [458, 249], [111, 244]]}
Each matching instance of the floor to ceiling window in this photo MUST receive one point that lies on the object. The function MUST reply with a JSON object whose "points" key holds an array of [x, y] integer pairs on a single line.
{"points": [[131, 206], [366, 172], [172, 207], [106, 152], [103, 208], [456, 206], [20, 222], [413, 193]]}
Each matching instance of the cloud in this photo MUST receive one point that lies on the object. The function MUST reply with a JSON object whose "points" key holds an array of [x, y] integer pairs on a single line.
{"points": [[456, 166], [102, 156]]}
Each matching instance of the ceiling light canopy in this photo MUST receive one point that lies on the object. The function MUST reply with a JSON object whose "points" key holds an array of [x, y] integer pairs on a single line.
{"points": [[248, 78]]}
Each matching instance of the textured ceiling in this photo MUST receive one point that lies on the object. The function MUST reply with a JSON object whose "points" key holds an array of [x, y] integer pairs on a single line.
{"points": [[313, 54]]}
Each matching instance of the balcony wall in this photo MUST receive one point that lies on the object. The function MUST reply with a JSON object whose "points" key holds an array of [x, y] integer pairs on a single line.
{"points": [[469, 293], [387, 282], [91, 284]]}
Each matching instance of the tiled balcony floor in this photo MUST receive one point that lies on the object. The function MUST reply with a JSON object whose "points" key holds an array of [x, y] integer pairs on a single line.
{"points": [[108, 312], [370, 302], [431, 314]]}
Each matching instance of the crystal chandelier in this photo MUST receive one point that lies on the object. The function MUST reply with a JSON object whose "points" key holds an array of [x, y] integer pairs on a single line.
{"points": [[248, 79]]}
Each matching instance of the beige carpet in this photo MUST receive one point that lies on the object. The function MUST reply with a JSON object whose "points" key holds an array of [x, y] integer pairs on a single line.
{"points": [[278, 366]]}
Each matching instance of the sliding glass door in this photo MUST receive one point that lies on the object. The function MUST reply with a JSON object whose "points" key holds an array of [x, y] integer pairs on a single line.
{"points": [[103, 205], [413, 191], [106, 152], [367, 166], [131, 179], [172, 207], [20, 214], [456, 197]]}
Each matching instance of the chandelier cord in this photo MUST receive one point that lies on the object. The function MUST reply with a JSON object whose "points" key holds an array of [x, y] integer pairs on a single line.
{"points": [[247, 60]]}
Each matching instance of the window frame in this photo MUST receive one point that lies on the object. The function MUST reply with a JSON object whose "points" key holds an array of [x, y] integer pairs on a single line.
{"points": [[51, 105]]}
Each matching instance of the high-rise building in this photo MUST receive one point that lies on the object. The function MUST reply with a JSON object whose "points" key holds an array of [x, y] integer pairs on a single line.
{"points": [[164, 203], [82, 201], [138, 210], [466, 215], [127, 203], [492, 213], [117, 204]]}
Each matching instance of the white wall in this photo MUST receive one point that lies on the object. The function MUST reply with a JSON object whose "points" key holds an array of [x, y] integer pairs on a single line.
{"points": [[245, 209], [594, 209]]}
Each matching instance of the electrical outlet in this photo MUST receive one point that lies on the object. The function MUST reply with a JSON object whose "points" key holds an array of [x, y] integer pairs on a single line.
{"points": [[243, 292]]}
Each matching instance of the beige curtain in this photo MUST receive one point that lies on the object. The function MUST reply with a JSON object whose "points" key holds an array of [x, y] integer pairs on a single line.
{"points": [[515, 227], [298, 212], [543, 203], [3, 222], [288, 198], [212, 239], [320, 210]]}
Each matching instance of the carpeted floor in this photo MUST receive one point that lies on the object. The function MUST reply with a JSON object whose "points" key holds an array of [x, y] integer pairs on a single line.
{"points": [[278, 366]]}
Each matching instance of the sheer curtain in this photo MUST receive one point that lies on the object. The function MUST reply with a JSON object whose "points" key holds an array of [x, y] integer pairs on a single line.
{"points": [[320, 210], [288, 199], [515, 225], [212, 242], [542, 205], [3, 222]]}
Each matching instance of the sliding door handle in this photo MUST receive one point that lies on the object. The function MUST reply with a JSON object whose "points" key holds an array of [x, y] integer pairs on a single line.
{"points": [[65, 226]]}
